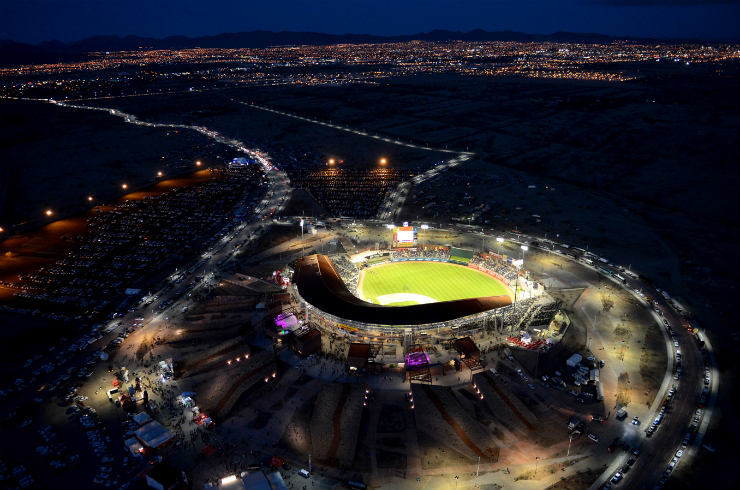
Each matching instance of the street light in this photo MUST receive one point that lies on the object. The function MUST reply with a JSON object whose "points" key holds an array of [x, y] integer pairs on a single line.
{"points": [[570, 439], [124, 186], [198, 163], [49, 212], [383, 161], [159, 174], [90, 198], [332, 161]]}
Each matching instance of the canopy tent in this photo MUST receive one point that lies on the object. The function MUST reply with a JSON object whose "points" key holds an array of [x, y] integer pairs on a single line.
{"points": [[153, 434]]}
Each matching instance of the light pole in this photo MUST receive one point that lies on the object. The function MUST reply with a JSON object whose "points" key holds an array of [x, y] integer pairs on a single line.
{"points": [[303, 245], [516, 287], [570, 439], [536, 463]]}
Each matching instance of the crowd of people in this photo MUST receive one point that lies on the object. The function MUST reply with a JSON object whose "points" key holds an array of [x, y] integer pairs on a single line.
{"points": [[542, 315], [440, 253], [348, 271], [513, 314], [494, 264]]}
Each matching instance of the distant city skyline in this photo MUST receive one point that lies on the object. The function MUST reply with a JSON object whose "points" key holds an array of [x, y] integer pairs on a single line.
{"points": [[35, 21]]}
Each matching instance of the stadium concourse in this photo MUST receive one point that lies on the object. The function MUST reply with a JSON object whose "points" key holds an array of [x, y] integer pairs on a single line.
{"points": [[403, 299]]}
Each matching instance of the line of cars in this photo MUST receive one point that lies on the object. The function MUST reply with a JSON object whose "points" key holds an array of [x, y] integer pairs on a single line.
{"points": [[617, 477]]}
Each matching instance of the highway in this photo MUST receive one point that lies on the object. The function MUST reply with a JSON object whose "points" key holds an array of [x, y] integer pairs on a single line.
{"points": [[347, 129], [394, 200]]}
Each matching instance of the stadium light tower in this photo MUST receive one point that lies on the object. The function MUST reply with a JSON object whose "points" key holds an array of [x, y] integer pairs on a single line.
{"points": [[303, 246], [524, 249], [516, 287], [499, 241]]}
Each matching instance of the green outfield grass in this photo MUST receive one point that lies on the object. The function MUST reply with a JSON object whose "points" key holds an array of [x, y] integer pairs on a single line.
{"points": [[430, 281]]}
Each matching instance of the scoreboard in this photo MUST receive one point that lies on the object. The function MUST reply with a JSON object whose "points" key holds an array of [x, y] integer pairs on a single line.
{"points": [[405, 236]]}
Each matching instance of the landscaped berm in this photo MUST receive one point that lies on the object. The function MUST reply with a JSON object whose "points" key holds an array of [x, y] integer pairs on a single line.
{"points": [[411, 283]]}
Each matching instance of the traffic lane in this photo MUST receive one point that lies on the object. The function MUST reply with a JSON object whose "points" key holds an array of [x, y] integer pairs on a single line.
{"points": [[667, 439], [692, 376]]}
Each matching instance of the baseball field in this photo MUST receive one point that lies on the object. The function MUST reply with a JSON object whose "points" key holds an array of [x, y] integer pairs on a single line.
{"points": [[410, 283]]}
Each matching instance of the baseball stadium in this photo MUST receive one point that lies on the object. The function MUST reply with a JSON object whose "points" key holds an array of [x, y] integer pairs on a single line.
{"points": [[412, 294]]}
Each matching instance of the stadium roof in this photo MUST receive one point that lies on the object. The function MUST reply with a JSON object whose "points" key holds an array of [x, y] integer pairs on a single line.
{"points": [[320, 285]]}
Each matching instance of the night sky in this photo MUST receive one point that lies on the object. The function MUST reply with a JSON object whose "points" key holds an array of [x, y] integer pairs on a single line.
{"points": [[69, 20]]}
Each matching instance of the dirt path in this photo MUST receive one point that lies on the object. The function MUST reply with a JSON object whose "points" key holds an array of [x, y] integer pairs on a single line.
{"points": [[222, 401], [331, 454], [506, 400], [186, 370], [455, 426]]}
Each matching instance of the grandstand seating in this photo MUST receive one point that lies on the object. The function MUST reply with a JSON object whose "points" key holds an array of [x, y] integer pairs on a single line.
{"points": [[347, 270], [493, 264], [438, 253]]}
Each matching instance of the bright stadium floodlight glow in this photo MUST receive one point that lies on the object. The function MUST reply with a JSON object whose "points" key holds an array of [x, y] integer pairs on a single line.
{"points": [[49, 212], [332, 161], [500, 239], [424, 227], [2, 229], [124, 186], [525, 248], [90, 198], [228, 479], [383, 161], [159, 174], [390, 226], [198, 163]]}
